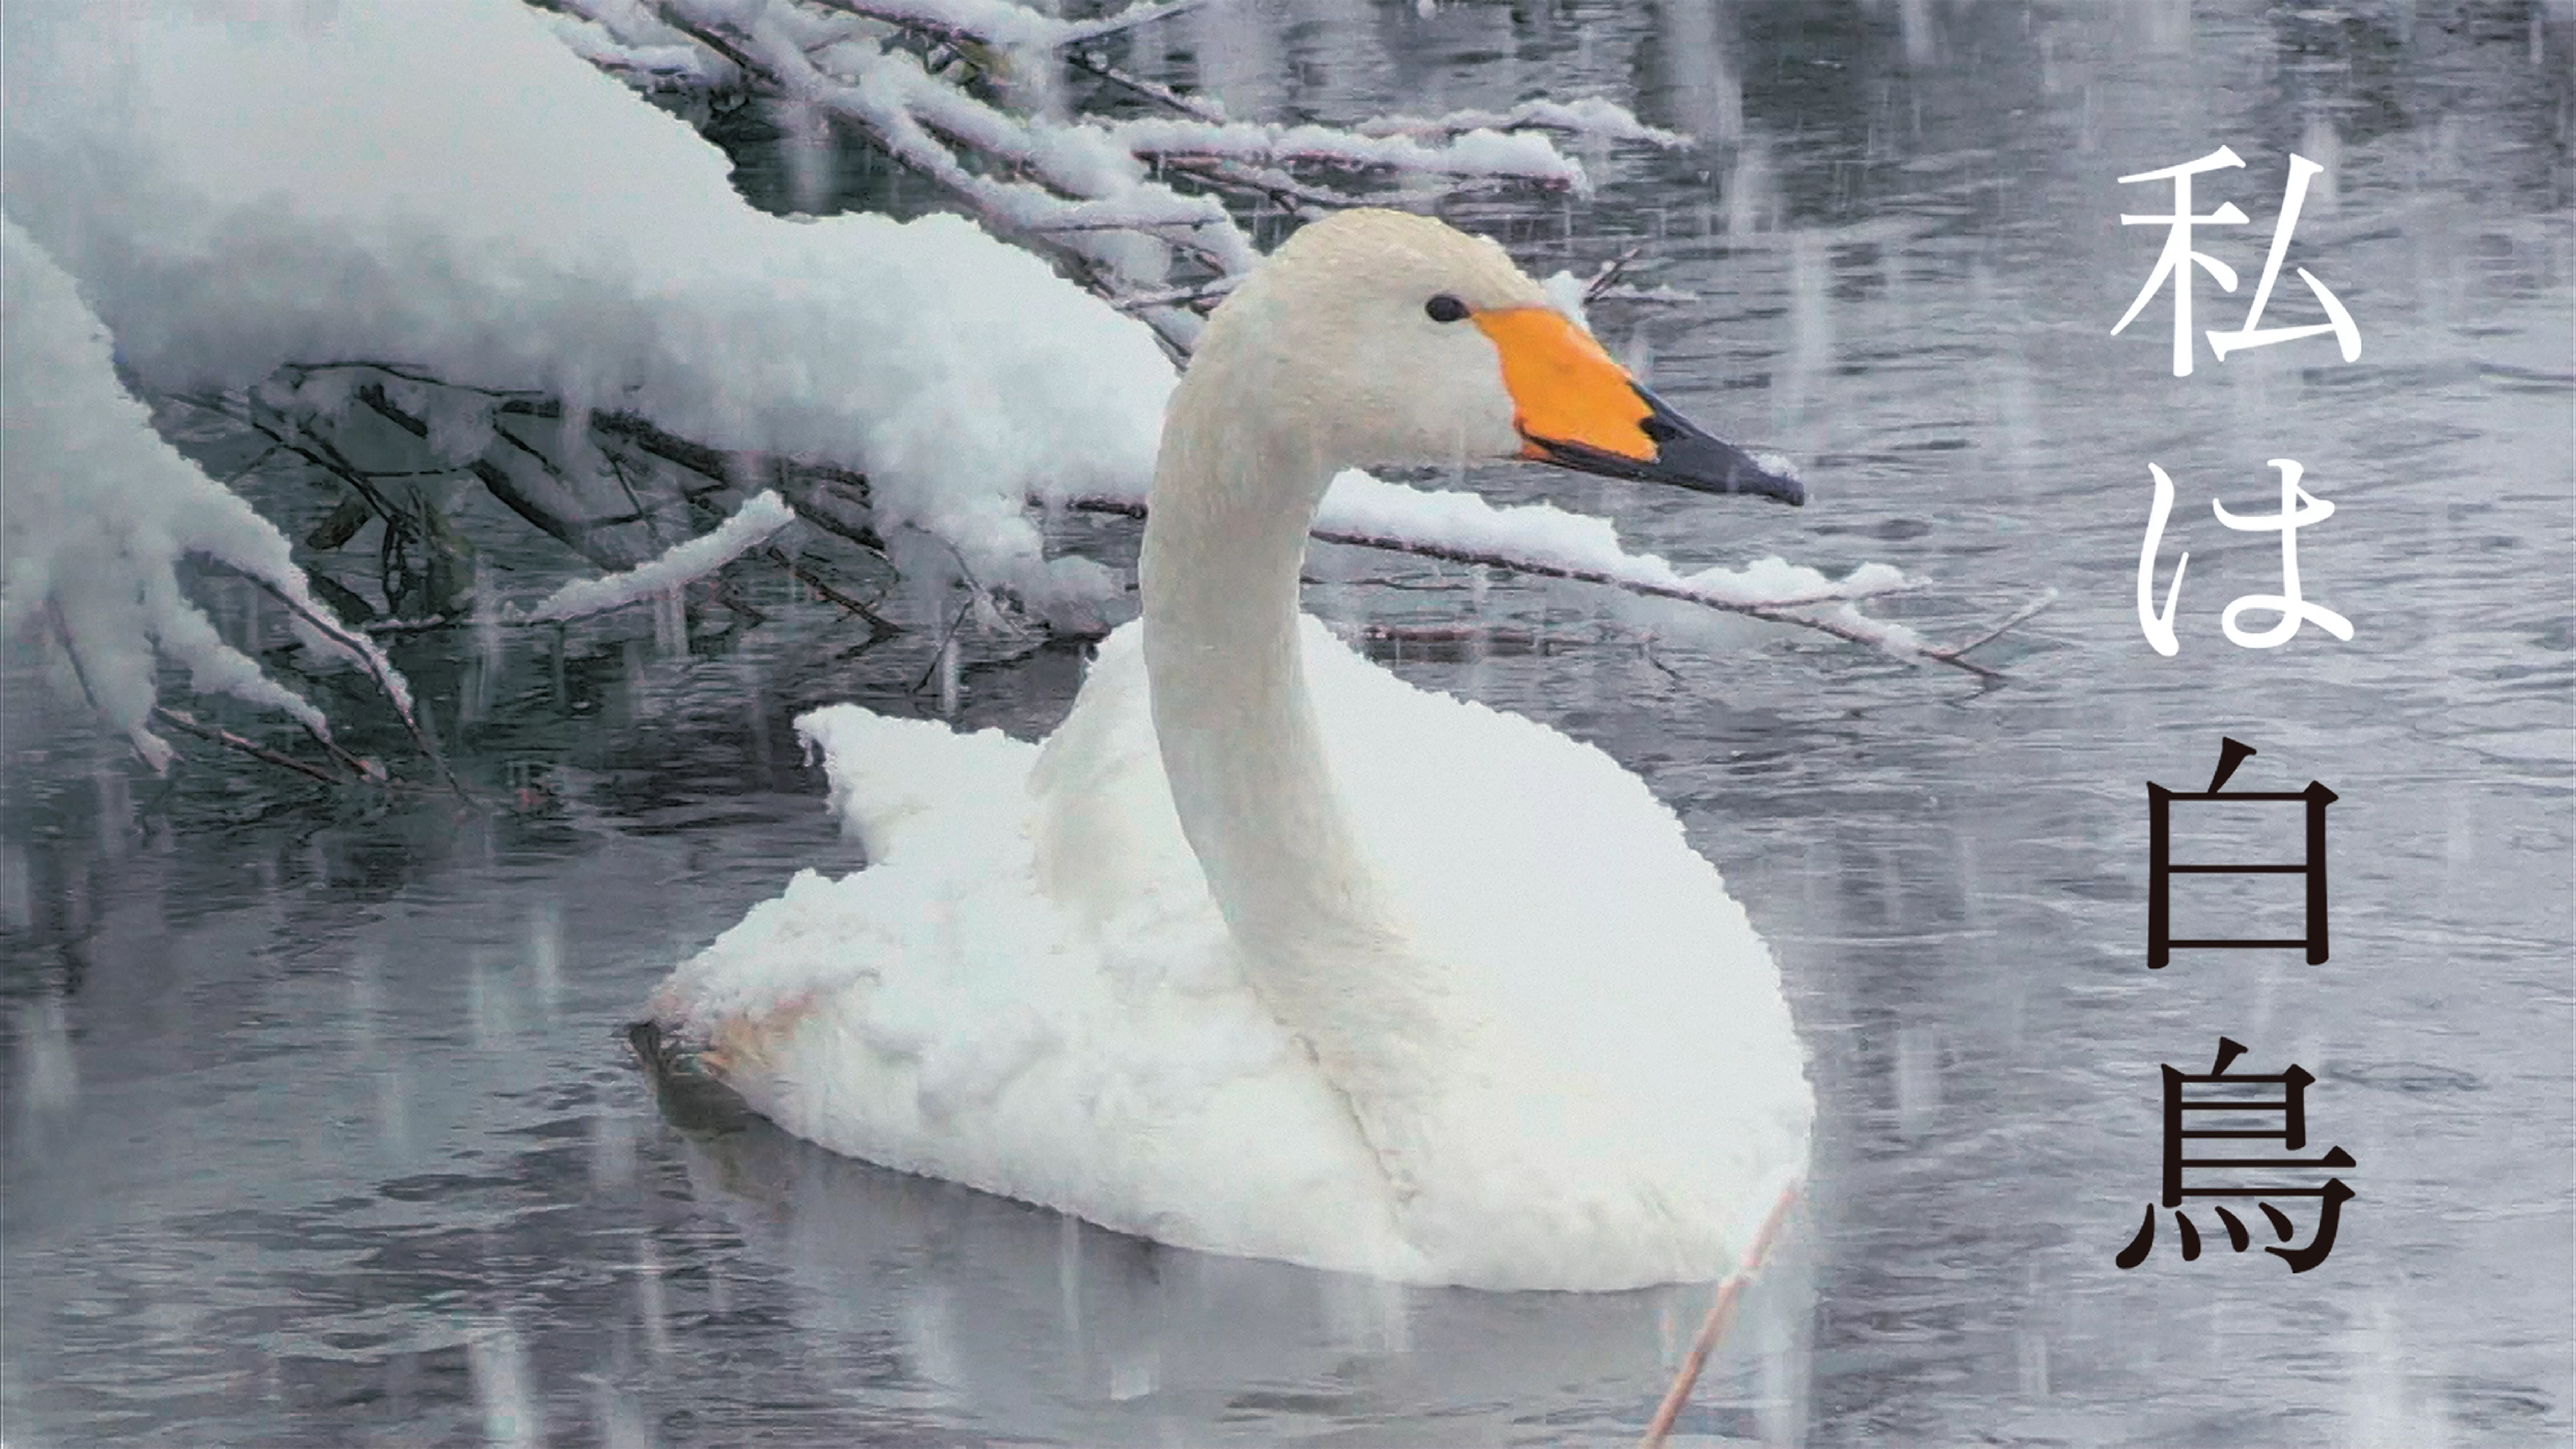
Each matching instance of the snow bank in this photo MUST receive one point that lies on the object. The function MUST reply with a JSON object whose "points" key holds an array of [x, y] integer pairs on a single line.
{"points": [[750, 526], [460, 192], [95, 509]]}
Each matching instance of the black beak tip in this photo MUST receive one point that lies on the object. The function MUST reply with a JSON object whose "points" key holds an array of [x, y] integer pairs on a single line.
{"points": [[1780, 480], [1687, 455], [1725, 468]]}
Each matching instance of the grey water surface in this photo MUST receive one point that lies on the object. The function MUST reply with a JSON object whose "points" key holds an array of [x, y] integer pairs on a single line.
{"points": [[320, 1129]]}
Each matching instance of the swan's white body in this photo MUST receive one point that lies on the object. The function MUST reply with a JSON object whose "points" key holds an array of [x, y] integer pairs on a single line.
{"points": [[1265, 951]]}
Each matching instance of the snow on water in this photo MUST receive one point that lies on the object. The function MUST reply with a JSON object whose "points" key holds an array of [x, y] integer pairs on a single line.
{"points": [[95, 509], [470, 197], [750, 526]]}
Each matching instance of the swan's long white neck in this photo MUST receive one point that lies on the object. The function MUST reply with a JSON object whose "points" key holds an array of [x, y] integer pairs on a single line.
{"points": [[1224, 539]]}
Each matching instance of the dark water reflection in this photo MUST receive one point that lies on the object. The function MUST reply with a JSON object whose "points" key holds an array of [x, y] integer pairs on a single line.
{"points": [[319, 1129]]}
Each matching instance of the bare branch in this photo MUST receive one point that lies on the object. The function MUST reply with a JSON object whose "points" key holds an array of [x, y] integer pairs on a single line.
{"points": [[1610, 272], [1040, 181], [71, 651], [2018, 616], [179, 719], [1590, 116], [1207, 291], [878, 624], [1721, 1314], [1082, 31], [1033, 30], [1198, 107], [368, 660], [1792, 612]]}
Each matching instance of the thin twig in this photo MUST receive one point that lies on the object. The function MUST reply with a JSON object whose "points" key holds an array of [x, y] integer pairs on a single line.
{"points": [[939, 656], [1209, 290], [71, 651], [1776, 613], [2017, 616], [1124, 223], [877, 623], [1082, 32], [726, 594], [625, 428], [364, 769], [1648, 648], [652, 524], [1720, 1314], [1227, 173], [1644, 296], [253, 466], [1196, 107], [231, 741], [1067, 33], [1610, 273], [1482, 635], [329, 460], [408, 372], [303, 444], [355, 644]]}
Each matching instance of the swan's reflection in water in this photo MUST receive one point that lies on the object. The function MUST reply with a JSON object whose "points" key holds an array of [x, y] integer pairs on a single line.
{"points": [[1033, 1325]]}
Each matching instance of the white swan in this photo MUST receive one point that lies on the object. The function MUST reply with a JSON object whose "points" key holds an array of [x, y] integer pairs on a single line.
{"points": [[1265, 951]]}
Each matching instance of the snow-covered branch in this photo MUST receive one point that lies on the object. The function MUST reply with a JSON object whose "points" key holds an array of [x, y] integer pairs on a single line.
{"points": [[474, 268], [682, 563], [98, 510], [612, 487], [1123, 202], [1544, 541], [1005, 23], [1591, 116]]}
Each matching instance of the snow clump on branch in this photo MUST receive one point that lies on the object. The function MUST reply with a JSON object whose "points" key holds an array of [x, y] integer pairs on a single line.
{"points": [[750, 527], [1123, 201], [472, 201], [97, 511]]}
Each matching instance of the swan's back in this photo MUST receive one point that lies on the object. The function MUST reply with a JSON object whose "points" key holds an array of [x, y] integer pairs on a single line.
{"points": [[1642, 1062], [1081, 1032], [1634, 1062]]}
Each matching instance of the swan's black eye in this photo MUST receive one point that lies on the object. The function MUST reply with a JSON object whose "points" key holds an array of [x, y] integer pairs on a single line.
{"points": [[1445, 308]]}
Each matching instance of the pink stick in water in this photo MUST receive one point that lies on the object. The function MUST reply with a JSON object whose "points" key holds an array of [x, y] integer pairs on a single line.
{"points": [[1720, 1314]]}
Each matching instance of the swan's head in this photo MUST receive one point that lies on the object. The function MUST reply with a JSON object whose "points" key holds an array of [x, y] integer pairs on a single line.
{"points": [[1395, 339]]}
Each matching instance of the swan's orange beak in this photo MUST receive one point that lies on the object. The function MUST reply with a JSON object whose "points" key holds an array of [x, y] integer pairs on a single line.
{"points": [[1578, 409]]}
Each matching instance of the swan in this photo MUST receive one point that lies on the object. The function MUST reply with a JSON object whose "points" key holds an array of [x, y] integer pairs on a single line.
{"points": [[1264, 951]]}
